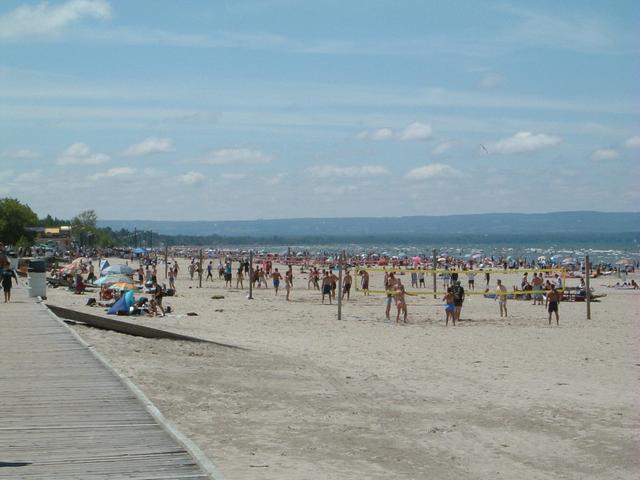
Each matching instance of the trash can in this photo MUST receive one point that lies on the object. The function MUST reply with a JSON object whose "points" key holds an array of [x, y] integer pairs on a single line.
{"points": [[38, 278]]}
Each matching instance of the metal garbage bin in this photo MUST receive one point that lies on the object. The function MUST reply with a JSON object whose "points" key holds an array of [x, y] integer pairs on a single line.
{"points": [[38, 284]]}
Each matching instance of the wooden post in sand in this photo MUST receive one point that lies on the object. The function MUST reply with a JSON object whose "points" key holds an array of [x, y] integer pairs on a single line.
{"points": [[200, 271], [340, 286], [250, 297], [166, 262], [587, 277], [435, 289]]}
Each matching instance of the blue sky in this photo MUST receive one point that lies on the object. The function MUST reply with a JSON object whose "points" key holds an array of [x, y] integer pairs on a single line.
{"points": [[203, 110]]}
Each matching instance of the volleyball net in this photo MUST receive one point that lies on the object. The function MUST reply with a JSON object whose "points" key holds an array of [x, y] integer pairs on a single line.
{"points": [[420, 281]]}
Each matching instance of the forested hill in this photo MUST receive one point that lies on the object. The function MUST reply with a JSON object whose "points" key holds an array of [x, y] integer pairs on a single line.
{"points": [[479, 224]]}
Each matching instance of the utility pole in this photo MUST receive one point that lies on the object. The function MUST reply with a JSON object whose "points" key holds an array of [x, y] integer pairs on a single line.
{"points": [[587, 277], [435, 289], [250, 275]]}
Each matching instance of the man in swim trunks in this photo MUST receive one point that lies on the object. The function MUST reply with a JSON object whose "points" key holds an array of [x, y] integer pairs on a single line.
{"points": [[364, 281], [276, 280], [346, 285], [553, 299], [458, 299], [501, 293], [288, 282], [536, 283], [326, 287]]}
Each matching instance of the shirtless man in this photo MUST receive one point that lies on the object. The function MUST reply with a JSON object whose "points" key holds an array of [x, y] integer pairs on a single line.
{"points": [[276, 277], [326, 287], [346, 285], [401, 303], [364, 282], [288, 282], [536, 284], [501, 293], [334, 283], [240, 278], [553, 299]]}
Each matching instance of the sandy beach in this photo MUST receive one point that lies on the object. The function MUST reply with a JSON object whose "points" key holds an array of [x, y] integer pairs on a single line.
{"points": [[314, 397]]}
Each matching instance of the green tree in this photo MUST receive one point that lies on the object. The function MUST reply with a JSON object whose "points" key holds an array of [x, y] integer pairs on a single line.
{"points": [[15, 217], [83, 227]]}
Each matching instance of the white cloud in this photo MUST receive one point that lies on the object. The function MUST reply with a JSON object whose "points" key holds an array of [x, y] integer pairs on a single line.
{"points": [[415, 131], [633, 142], [605, 154], [491, 80], [524, 142], [434, 170], [233, 176], [6, 175], [149, 146], [325, 171], [114, 172], [191, 178], [81, 154], [44, 19], [274, 179], [22, 154], [238, 156], [441, 148], [379, 134]]}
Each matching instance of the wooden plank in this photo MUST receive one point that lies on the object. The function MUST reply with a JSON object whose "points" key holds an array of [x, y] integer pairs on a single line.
{"points": [[66, 416]]}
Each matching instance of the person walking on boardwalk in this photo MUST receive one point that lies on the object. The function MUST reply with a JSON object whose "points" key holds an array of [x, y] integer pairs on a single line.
{"points": [[7, 275], [501, 294]]}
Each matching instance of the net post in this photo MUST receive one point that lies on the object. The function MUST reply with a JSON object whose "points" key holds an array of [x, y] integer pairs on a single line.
{"points": [[340, 285], [587, 275], [250, 297], [435, 288], [200, 271]]}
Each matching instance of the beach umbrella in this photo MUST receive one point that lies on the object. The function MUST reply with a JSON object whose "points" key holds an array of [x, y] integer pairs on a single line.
{"points": [[119, 269], [542, 258], [476, 256], [139, 250], [111, 279], [122, 286], [569, 261], [624, 261]]}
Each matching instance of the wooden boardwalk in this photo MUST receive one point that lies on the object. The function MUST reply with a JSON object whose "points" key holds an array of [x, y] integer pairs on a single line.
{"points": [[65, 415]]}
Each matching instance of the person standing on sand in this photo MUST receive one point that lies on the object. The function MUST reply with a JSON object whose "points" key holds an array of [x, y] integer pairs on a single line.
{"points": [[364, 282], [536, 284], [458, 299], [346, 285], [334, 283], [390, 288], [501, 294], [401, 303], [326, 287], [240, 277], [449, 307], [288, 282], [553, 299], [209, 271], [276, 280]]}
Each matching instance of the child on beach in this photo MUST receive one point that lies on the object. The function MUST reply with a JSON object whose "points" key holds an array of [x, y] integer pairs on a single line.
{"points": [[449, 307]]}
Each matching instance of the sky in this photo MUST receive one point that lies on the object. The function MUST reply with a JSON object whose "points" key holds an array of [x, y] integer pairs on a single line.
{"points": [[231, 110]]}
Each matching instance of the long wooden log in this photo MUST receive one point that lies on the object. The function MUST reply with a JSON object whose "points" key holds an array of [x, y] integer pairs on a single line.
{"points": [[125, 327]]}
